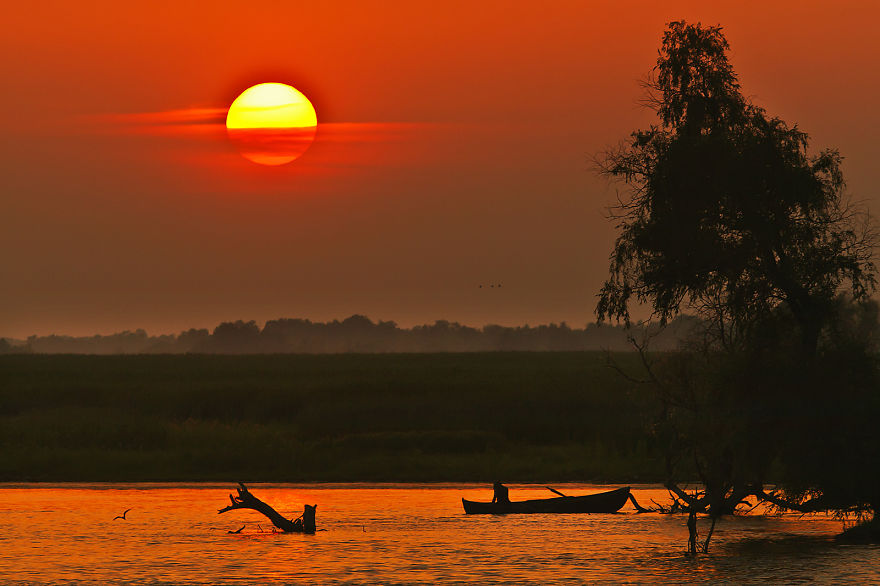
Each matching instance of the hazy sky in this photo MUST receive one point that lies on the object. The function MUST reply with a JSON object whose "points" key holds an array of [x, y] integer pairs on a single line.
{"points": [[453, 150]]}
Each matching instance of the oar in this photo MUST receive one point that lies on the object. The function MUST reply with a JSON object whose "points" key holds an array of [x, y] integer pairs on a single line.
{"points": [[554, 490]]}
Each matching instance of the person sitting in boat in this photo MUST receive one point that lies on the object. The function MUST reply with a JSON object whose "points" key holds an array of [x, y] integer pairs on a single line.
{"points": [[500, 495]]}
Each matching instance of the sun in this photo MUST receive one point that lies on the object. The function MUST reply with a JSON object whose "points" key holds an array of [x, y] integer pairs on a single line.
{"points": [[271, 105], [271, 123]]}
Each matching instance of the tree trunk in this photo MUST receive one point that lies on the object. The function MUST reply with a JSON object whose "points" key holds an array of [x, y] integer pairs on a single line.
{"points": [[245, 500], [692, 531], [709, 535]]}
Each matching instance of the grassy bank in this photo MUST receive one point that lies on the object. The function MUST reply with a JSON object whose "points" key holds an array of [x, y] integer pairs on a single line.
{"points": [[416, 417]]}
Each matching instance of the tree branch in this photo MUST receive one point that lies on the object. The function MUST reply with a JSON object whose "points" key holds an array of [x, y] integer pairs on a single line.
{"points": [[245, 500], [813, 505]]}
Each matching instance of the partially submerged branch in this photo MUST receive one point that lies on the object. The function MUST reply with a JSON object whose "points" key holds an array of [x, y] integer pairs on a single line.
{"points": [[814, 505], [305, 523], [639, 508], [698, 501], [739, 496]]}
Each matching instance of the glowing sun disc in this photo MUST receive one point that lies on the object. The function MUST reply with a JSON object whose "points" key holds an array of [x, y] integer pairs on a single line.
{"points": [[271, 123]]}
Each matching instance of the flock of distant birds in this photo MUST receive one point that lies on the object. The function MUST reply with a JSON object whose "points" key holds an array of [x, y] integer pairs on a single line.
{"points": [[492, 286]]}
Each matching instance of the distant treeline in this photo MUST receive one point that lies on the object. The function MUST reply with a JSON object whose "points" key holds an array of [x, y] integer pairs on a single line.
{"points": [[354, 334]]}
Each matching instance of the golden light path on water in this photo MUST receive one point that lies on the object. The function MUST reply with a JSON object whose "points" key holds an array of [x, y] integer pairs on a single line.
{"points": [[392, 534]]}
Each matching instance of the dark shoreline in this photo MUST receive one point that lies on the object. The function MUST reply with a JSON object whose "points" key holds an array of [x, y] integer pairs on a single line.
{"points": [[524, 417]]}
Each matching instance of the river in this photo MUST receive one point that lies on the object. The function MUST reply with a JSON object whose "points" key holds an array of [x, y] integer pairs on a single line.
{"points": [[393, 533]]}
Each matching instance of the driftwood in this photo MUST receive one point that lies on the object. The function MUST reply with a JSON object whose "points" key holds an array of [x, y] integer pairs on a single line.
{"points": [[305, 523]]}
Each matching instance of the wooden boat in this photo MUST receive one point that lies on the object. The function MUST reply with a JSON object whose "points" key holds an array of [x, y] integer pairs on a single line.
{"points": [[602, 502]]}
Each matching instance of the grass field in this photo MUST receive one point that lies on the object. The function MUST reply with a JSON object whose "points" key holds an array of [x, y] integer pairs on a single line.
{"points": [[348, 417]]}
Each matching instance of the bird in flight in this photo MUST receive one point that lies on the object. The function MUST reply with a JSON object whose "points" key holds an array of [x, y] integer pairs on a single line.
{"points": [[122, 516]]}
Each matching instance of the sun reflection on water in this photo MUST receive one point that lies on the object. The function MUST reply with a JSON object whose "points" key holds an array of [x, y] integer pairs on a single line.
{"points": [[390, 534]]}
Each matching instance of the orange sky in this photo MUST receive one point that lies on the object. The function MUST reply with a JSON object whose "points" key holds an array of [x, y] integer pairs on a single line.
{"points": [[453, 149]]}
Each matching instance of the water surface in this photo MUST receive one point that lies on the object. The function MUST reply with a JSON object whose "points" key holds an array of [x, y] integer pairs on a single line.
{"points": [[393, 534]]}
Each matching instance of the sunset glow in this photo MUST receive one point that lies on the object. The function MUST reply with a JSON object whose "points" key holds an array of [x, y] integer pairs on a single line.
{"points": [[271, 105], [271, 123], [573, 292], [446, 154]]}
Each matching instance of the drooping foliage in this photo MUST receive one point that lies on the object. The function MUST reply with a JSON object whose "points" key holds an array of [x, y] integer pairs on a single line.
{"points": [[727, 214]]}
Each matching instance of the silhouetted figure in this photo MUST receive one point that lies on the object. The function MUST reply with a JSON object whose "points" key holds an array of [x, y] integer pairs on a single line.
{"points": [[122, 516], [500, 496]]}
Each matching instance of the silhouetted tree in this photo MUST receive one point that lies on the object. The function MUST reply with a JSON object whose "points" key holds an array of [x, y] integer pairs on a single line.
{"points": [[235, 337], [353, 334], [729, 217], [193, 340]]}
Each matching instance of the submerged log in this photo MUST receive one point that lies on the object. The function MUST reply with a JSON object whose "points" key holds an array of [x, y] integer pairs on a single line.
{"points": [[305, 523]]}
